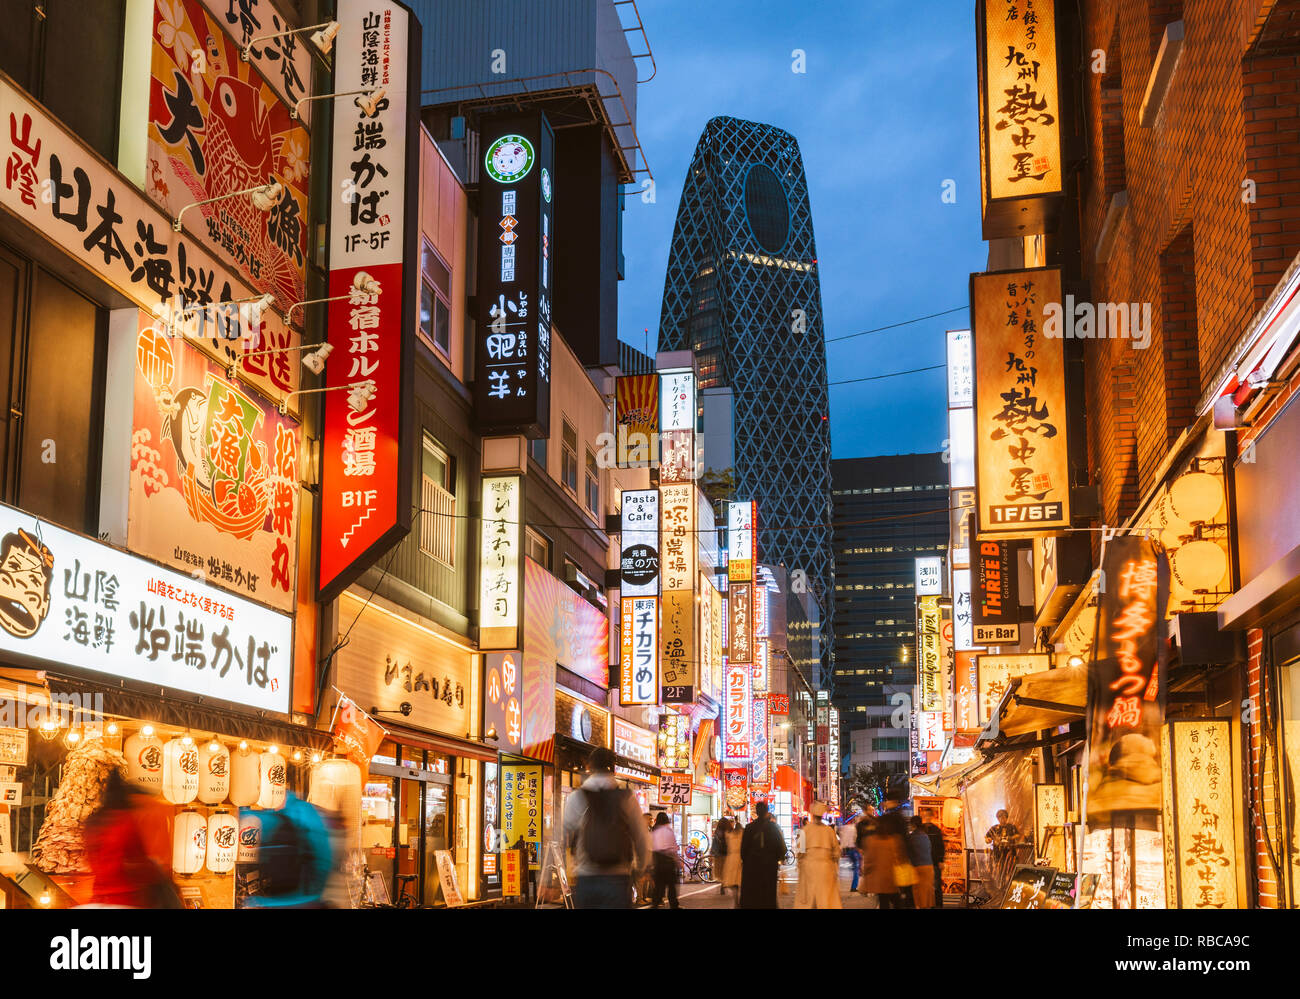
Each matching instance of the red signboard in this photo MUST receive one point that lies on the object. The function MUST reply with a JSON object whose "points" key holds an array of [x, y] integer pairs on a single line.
{"points": [[367, 464], [778, 704]]}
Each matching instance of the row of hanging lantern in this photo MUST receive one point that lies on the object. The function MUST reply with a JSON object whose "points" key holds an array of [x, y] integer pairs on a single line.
{"points": [[183, 770]]}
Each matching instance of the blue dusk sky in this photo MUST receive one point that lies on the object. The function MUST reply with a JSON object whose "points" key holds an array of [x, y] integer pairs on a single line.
{"points": [[884, 115]]}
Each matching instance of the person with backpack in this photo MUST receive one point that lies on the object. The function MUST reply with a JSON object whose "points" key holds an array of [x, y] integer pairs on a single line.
{"points": [[606, 835], [762, 848], [937, 852], [664, 844]]}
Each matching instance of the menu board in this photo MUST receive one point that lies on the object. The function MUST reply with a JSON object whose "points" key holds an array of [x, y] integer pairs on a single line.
{"points": [[1028, 887], [1062, 892]]}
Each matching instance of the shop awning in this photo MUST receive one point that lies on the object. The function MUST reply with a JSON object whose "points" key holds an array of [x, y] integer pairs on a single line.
{"points": [[446, 744], [1044, 700], [947, 784], [183, 713]]}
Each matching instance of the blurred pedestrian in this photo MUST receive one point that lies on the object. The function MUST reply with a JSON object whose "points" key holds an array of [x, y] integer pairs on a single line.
{"points": [[124, 873], [884, 863], [918, 852], [732, 868], [937, 852], [718, 852], [296, 858], [848, 835], [663, 842], [762, 849], [819, 871], [605, 830]]}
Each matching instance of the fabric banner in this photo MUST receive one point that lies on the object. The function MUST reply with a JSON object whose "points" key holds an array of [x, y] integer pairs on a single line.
{"points": [[1126, 697]]}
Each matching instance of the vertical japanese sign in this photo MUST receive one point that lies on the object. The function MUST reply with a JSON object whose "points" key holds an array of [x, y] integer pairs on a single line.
{"points": [[366, 483], [1020, 111], [833, 751], [216, 126], [500, 555], [718, 621], [960, 373], [678, 537], [705, 670], [674, 742], [678, 643], [967, 684], [1021, 449], [639, 564], [503, 699], [737, 727], [678, 571], [928, 660], [516, 241], [735, 782], [930, 731], [214, 474], [740, 630], [996, 595], [929, 576], [639, 651], [1126, 696], [1199, 825], [963, 633], [521, 804], [995, 673], [760, 666], [677, 425], [741, 550], [760, 764], [636, 402]]}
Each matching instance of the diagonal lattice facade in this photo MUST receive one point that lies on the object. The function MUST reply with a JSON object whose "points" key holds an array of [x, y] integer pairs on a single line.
{"points": [[742, 291]]}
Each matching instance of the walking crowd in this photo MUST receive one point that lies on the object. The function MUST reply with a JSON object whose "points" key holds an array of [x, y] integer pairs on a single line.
{"points": [[617, 852]]}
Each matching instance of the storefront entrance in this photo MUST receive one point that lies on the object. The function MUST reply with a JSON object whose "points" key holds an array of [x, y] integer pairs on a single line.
{"points": [[406, 817]]}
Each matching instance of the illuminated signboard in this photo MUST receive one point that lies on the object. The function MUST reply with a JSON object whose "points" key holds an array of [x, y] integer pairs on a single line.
{"points": [[929, 576], [960, 375], [995, 598], [636, 401], [742, 552], [639, 563], [1021, 443], [930, 731], [677, 426], [1199, 825], [995, 673], [639, 651], [928, 660], [1019, 116], [718, 619], [737, 727], [503, 699], [760, 767], [678, 644], [516, 240], [674, 744], [366, 454], [760, 665], [741, 625], [634, 743], [500, 550], [677, 537], [963, 635]]}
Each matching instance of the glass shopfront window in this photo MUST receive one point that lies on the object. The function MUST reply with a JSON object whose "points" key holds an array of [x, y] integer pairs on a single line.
{"points": [[406, 818]]}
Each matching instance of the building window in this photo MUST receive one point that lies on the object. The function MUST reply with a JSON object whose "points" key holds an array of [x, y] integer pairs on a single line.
{"points": [[537, 449], [569, 465], [438, 505], [435, 296], [537, 546], [593, 486]]}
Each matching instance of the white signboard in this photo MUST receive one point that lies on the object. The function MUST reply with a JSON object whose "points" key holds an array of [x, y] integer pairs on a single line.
{"points": [[499, 584], [71, 601], [677, 401], [929, 576], [961, 448], [960, 381], [930, 725], [740, 541], [962, 631], [639, 565]]}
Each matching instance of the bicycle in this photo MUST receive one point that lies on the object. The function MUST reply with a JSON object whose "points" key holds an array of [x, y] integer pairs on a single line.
{"points": [[695, 865], [405, 897]]}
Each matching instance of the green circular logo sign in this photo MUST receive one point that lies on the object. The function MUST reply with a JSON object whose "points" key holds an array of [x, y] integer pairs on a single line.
{"points": [[546, 185], [509, 159]]}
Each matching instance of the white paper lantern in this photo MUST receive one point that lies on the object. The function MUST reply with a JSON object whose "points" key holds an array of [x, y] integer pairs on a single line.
{"points": [[180, 775], [1200, 565], [245, 777], [1196, 497], [223, 832], [214, 773], [336, 787], [250, 837], [275, 781], [189, 843], [144, 762]]}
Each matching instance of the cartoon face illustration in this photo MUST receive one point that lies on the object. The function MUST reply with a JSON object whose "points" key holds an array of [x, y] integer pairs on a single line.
{"points": [[26, 574]]}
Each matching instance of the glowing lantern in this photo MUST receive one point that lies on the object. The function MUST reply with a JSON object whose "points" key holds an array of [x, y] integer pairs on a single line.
{"points": [[144, 761], [336, 787], [250, 837], [1196, 497], [1200, 565], [214, 773], [245, 776], [275, 780], [189, 843], [223, 831], [180, 771]]}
